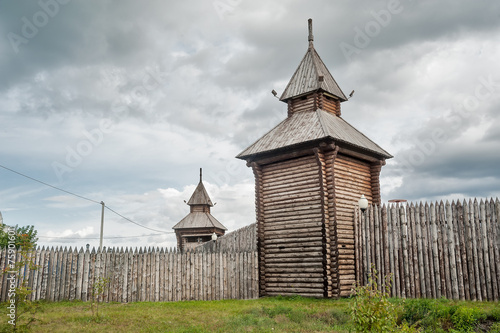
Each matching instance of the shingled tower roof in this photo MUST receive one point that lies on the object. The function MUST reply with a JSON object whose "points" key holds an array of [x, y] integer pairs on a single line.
{"points": [[311, 75], [199, 216], [200, 195], [313, 99]]}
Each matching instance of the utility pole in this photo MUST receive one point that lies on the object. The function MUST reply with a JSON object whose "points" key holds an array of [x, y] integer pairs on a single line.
{"points": [[102, 226]]}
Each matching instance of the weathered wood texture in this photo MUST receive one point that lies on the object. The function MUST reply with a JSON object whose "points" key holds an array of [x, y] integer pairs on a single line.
{"points": [[433, 250], [314, 101], [243, 239], [290, 209], [140, 275], [352, 179]]}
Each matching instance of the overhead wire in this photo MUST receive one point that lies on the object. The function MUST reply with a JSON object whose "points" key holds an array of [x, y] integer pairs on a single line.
{"points": [[46, 184], [126, 218], [62, 237], [85, 198]]}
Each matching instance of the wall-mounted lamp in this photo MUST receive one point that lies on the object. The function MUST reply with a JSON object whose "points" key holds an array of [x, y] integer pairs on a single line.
{"points": [[214, 236], [363, 203]]}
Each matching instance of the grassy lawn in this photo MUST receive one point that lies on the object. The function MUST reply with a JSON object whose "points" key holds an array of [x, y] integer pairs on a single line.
{"points": [[274, 314]]}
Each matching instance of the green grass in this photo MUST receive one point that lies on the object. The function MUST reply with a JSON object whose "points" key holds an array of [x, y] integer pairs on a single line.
{"points": [[273, 314]]}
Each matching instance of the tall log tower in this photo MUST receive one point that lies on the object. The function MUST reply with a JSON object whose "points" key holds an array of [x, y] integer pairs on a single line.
{"points": [[310, 170]]}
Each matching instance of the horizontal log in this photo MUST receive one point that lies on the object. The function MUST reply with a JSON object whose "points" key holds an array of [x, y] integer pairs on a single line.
{"points": [[295, 233], [346, 252], [284, 214], [290, 164], [286, 225], [290, 200], [293, 206], [295, 259], [294, 275], [279, 248], [294, 265], [290, 176], [305, 294], [346, 262], [343, 272], [311, 184], [287, 189], [297, 180], [342, 241], [293, 285], [284, 270], [281, 290], [294, 280], [296, 241], [300, 218], [290, 193]]}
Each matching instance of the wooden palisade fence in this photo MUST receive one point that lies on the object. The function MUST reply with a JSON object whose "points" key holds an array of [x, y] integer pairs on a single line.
{"points": [[437, 250], [140, 275]]}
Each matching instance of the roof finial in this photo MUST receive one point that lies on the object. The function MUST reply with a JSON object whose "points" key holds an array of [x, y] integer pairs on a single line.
{"points": [[311, 37], [201, 174]]}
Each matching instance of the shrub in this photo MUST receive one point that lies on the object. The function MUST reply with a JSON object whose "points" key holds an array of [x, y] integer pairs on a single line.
{"points": [[371, 310], [494, 314], [495, 328], [414, 310], [465, 319]]}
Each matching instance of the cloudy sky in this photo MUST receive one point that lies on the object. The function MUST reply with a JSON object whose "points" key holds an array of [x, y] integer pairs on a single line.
{"points": [[124, 101]]}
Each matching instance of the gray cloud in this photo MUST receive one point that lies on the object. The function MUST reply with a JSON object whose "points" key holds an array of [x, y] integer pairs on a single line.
{"points": [[186, 86]]}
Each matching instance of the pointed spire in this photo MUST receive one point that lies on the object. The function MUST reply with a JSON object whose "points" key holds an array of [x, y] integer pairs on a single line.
{"points": [[312, 75], [200, 195], [310, 38]]}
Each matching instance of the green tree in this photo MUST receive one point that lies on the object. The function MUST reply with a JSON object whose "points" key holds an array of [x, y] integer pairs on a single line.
{"points": [[19, 293], [20, 234]]}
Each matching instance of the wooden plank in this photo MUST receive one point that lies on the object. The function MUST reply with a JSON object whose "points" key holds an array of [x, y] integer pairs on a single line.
{"points": [[486, 257], [461, 244], [414, 269], [490, 207], [496, 242], [469, 226], [390, 239], [421, 251], [385, 243], [478, 253], [406, 259], [435, 253], [458, 243], [79, 273], [446, 283], [451, 248]]}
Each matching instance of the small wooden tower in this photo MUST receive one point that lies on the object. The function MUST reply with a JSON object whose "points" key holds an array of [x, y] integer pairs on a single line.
{"points": [[310, 170], [199, 225]]}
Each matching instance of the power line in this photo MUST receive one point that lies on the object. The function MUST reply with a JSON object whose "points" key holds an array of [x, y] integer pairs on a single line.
{"points": [[54, 187], [80, 238], [140, 225], [85, 198]]}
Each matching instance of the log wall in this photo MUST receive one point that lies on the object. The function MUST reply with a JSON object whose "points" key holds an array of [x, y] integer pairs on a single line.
{"points": [[433, 250], [243, 239], [313, 102], [353, 178], [138, 275], [291, 227]]}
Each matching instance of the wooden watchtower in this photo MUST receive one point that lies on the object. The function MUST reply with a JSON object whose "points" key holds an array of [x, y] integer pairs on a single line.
{"points": [[199, 225], [310, 170]]}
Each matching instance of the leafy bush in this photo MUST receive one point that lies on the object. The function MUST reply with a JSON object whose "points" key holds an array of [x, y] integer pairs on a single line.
{"points": [[371, 310], [465, 319], [494, 314], [414, 310], [495, 328]]}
